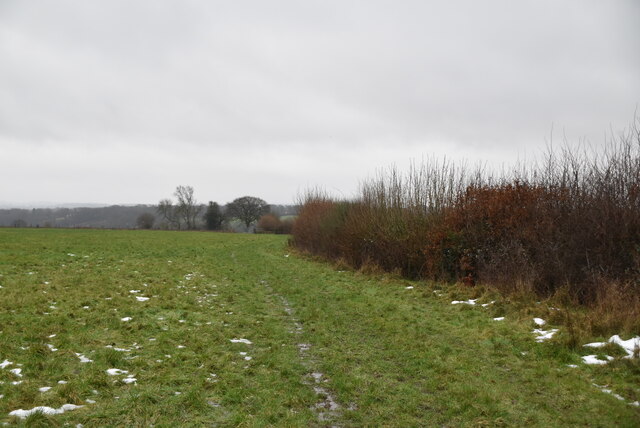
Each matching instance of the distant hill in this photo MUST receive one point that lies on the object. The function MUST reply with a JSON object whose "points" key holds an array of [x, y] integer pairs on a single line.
{"points": [[111, 217]]}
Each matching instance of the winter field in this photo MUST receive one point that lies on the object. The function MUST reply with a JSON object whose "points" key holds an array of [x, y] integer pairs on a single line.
{"points": [[137, 328]]}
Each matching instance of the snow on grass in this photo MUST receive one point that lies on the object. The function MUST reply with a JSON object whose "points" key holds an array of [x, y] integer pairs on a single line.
{"points": [[116, 372], [129, 379], [499, 319], [45, 410], [44, 389], [83, 359], [466, 302], [5, 363], [245, 341], [125, 319], [50, 346], [135, 291], [594, 360], [141, 298], [17, 372], [544, 334], [539, 321], [630, 346], [409, 287], [610, 392], [115, 348]]}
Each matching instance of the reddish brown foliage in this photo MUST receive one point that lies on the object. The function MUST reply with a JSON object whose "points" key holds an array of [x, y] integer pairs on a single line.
{"points": [[571, 224]]}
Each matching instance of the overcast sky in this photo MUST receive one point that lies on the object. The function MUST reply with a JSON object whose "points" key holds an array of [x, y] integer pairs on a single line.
{"points": [[121, 101]]}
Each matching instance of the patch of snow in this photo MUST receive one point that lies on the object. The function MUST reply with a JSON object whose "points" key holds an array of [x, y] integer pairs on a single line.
{"points": [[50, 346], [5, 363], [484, 305], [90, 401], [62, 382], [45, 410], [499, 319], [16, 372], [573, 366], [409, 287], [593, 359], [141, 299], [44, 389], [125, 319], [134, 291], [246, 341], [71, 255], [539, 321], [83, 359], [630, 346], [117, 349], [466, 302], [544, 334], [129, 379], [115, 372], [181, 346], [51, 336]]}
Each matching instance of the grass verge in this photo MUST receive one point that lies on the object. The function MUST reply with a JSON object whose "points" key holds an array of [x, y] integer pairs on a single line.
{"points": [[389, 355]]}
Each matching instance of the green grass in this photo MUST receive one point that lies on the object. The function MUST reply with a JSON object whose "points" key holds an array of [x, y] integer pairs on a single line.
{"points": [[390, 356]]}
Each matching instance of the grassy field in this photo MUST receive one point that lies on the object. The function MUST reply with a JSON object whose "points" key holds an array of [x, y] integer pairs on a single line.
{"points": [[232, 330]]}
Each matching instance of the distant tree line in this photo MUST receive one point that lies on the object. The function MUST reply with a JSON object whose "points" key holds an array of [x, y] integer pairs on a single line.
{"points": [[244, 214]]}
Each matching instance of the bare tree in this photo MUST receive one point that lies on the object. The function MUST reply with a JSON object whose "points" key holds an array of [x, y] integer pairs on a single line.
{"points": [[169, 213], [247, 209], [187, 206]]}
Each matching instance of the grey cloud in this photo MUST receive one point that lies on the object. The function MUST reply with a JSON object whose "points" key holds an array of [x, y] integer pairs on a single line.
{"points": [[480, 77]]}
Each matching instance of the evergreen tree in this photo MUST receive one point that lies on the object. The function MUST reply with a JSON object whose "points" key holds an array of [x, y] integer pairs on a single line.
{"points": [[213, 217]]}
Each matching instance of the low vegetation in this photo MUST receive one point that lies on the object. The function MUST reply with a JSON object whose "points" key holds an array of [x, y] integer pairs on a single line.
{"points": [[568, 227], [143, 328]]}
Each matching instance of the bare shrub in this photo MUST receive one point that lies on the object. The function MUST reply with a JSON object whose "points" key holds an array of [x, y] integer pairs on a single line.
{"points": [[569, 224]]}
